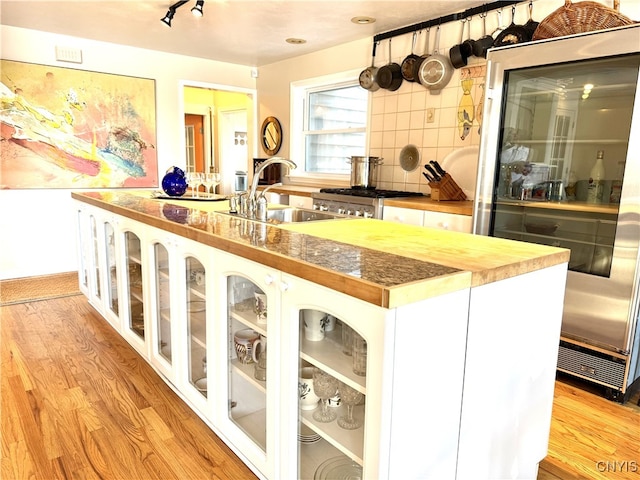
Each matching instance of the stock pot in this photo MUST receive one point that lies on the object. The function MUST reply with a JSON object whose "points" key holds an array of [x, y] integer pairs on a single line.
{"points": [[364, 171]]}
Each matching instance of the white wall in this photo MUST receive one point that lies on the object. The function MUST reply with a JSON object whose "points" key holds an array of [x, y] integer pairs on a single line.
{"points": [[37, 226]]}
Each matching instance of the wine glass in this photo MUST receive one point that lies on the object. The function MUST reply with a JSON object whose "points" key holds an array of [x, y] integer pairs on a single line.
{"points": [[350, 397], [208, 182], [192, 182], [199, 180], [325, 387]]}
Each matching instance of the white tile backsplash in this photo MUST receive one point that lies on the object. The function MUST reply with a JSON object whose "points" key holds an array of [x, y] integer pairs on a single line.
{"points": [[400, 118]]}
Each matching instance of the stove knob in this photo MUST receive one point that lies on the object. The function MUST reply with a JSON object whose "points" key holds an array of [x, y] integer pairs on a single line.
{"points": [[323, 208], [350, 212], [368, 215], [358, 213], [316, 206], [342, 210]]}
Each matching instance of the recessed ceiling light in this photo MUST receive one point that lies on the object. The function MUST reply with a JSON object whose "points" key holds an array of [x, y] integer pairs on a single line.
{"points": [[296, 41], [363, 20]]}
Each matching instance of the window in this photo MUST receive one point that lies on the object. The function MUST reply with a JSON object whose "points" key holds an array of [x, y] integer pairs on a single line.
{"points": [[329, 124]]}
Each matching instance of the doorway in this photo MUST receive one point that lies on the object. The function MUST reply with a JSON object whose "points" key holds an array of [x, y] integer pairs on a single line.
{"points": [[226, 120]]}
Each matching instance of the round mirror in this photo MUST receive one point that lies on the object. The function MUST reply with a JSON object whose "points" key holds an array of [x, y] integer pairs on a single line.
{"points": [[271, 135]]}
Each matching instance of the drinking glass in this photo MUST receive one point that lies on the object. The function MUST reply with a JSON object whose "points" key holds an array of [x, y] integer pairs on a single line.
{"points": [[350, 397], [325, 387], [199, 180], [217, 178], [208, 182], [192, 182]]}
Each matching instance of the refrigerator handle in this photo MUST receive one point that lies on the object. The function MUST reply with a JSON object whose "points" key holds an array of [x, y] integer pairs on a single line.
{"points": [[491, 78]]}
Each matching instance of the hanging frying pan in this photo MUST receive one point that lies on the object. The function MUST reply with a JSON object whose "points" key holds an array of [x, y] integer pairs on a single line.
{"points": [[435, 71], [422, 58], [513, 33], [531, 24], [390, 75], [407, 64], [369, 74]]}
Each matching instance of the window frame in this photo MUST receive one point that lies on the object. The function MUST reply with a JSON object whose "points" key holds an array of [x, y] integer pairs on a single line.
{"points": [[299, 91]]}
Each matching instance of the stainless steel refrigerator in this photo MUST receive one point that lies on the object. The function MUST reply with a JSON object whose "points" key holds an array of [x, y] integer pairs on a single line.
{"points": [[559, 164]]}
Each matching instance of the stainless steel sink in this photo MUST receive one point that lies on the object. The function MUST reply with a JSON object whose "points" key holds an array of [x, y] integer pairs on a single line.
{"points": [[295, 214]]}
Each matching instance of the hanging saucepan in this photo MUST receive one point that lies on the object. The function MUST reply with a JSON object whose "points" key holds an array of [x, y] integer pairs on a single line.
{"points": [[390, 75], [369, 74], [531, 24], [462, 51], [484, 43], [436, 71], [407, 64], [421, 58], [513, 33]]}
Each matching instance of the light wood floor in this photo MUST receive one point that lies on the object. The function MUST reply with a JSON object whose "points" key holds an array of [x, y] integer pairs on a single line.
{"points": [[79, 403]]}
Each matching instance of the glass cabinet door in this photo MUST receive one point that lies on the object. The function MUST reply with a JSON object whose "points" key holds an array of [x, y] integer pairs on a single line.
{"points": [[196, 324], [133, 259], [83, 268], [162, 309], [332, 397], [112, 278], [247, 358], [95, 258]]}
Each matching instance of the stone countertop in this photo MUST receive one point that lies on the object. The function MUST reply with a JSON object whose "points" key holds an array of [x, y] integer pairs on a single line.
{"points": [[380, 262]]}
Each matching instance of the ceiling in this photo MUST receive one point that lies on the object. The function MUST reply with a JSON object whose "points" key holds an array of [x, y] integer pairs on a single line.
{"points": [[245, 32]]}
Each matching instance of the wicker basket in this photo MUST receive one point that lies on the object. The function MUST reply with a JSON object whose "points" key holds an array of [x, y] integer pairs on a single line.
{"points": [[580, 17]]}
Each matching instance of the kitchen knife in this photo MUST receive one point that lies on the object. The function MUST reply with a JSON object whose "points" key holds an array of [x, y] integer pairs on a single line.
{"points": [[432, 172], [428, 177], [438, 168]]}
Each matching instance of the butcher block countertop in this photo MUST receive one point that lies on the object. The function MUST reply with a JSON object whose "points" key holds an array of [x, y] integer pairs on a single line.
{"points": [[427, 204], [383, 263]]}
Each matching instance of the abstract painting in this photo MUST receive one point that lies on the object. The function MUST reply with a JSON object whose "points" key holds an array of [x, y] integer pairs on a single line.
{"points": [[66, 128]]}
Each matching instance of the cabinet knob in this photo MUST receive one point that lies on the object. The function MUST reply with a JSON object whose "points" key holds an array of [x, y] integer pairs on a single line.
{"points": [[268, 279], [284, 286]]}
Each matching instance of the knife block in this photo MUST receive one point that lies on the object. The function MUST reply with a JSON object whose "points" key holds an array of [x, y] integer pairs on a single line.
{"points": [[446, 189]]}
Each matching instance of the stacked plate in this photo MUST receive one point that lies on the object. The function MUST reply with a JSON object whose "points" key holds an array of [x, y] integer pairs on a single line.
{"points": [[306, 435], [338, 468]]}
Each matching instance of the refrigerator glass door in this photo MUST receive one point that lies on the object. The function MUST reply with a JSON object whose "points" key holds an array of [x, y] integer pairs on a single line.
{"points": [[552, 106]]}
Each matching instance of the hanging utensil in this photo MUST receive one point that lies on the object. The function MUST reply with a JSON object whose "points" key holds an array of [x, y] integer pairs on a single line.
{"points": [[484, 43], [435, 71], [368, 75], [513, 33], [531, 24], [390, 75], [422, 58], [462, 51], [409, 158], [407, 64]]}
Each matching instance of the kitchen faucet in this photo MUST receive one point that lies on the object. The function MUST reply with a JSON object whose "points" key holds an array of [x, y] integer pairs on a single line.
{"points": [[252, 201]]}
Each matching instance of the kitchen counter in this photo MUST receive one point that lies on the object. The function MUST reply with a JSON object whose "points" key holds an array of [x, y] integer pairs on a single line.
{"points": [[382, 263], [415, 203], [427, 204]]}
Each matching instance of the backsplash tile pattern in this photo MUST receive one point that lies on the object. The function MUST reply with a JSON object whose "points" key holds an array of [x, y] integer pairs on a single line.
{"points": [[400, 118]]}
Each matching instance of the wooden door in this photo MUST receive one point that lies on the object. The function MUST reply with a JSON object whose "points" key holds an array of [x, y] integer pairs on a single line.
{"points": [[195, 125]]}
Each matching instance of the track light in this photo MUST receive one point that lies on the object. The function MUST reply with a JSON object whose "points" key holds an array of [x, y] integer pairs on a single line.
{"points": [[197, 10]]}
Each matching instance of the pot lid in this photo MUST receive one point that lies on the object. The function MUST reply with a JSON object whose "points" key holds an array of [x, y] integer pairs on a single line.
{"points": [[409, 158]]}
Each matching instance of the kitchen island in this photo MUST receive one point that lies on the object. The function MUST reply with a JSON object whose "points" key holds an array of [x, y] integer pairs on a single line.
{"points": [[457, 359]]}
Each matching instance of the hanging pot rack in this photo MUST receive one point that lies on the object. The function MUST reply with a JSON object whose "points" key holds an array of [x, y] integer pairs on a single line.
{"points": [[487, 7]]}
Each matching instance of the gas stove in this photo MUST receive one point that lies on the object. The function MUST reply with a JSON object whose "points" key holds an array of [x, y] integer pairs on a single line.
{"points": [[359, 202]]}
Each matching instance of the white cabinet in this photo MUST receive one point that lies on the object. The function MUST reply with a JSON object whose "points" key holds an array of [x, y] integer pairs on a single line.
{"points": [[440, 220], [425, 409], [300, 201]]}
